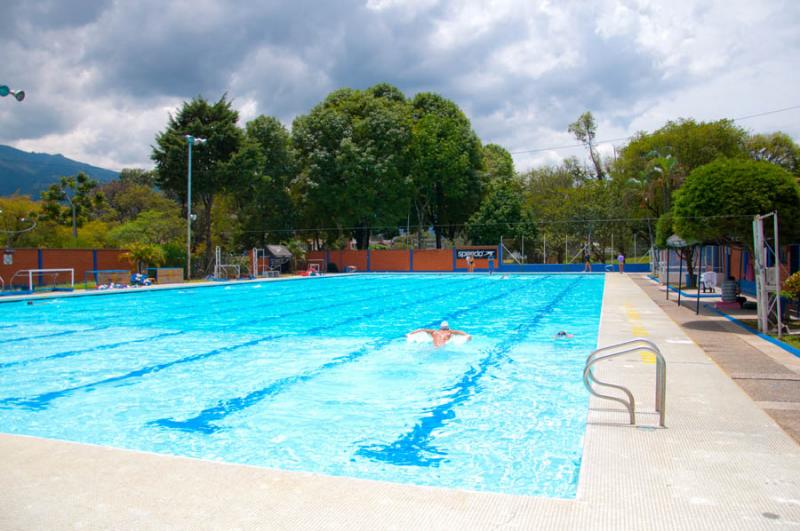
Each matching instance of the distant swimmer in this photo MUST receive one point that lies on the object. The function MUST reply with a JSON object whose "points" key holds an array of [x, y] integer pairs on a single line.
{"points": [[562, 334], [442, 335]]}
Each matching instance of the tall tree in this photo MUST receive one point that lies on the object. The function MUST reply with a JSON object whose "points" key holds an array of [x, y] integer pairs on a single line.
{"points": [[691, 144], [212, 172], [127, 198], [718, 201], [497, 163], [777, 148], [266, 207], [501, 214], [353, 151], [445, 167], [71, 201], [585, 129]]}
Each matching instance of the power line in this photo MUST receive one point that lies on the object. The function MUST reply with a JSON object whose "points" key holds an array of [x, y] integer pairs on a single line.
{"points": [[572, 146]]}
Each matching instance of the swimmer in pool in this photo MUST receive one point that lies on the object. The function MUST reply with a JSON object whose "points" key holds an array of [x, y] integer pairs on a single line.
{"points": [[562, 334], [442, 335]]}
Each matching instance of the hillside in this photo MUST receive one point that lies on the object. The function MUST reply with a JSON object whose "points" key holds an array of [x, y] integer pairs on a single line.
{"points": [[30, 173]]}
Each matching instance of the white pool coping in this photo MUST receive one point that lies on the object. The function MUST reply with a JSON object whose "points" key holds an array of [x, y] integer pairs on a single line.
{"points": [[721, 463]]}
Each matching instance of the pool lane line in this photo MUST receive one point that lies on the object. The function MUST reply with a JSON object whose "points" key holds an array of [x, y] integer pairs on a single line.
{"points": [[268, 304], [178, 304], [70, 353], [414, 447], [202, 422], [41, 401], [250, 291], [226, 327], [44, 336]]}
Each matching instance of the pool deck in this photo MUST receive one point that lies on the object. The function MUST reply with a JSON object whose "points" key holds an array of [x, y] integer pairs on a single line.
{"points": [[721, 463]]}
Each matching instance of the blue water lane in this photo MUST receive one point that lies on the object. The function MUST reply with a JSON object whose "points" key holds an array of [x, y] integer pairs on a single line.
{"points": [[190, 314], [203, 421], [414, 448], [244, 321], [41, 401]]}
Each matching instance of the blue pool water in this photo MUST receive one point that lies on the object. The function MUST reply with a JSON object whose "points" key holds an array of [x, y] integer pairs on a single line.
{"points": [[316, 375]]}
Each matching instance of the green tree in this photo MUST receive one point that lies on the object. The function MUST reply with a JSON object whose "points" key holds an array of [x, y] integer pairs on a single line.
{"points": [[688, 143], [353, 150], [212, 171], [72, 200], [18, 220], [501, 214], [446, 159], [127, 198], [145, 254], [146, 178], [151, 227], [585, 129], [267, 211], [497, 163], [777, 148], [718, 201]]}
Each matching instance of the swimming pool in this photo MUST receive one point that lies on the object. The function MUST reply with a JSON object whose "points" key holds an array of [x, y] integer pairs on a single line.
{"points": [[315, 375]]}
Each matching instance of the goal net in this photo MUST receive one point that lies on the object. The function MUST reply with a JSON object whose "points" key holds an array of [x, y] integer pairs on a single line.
{"points": [[43, 280]]}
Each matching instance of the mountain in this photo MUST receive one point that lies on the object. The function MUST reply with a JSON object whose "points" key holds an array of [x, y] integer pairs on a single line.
{"points": [[31, 173]]}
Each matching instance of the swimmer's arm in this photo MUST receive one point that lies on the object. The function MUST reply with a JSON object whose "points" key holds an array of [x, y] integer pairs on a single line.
{"points": [[426, 330], [460, 333]]}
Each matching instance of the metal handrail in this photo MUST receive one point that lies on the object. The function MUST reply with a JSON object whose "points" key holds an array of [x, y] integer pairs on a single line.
{"points": [[624, 343], [630, 404], [2, 284]]}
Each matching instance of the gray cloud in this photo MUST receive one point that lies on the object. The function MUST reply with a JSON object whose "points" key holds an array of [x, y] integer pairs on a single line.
{"points": [[102, 77]]}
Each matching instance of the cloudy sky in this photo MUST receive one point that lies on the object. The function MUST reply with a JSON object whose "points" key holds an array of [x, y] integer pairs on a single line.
{"points": [[101, 77]]}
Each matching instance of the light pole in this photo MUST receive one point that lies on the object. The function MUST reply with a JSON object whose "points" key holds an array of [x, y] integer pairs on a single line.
{"points": [[19, 95], [190, 140]]}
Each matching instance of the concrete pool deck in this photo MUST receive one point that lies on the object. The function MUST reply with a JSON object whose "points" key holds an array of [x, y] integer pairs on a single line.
{"points": [[721, 463]]}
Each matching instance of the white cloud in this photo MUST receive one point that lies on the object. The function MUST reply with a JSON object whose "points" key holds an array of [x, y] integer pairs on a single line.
{"points": [[101, 78]]}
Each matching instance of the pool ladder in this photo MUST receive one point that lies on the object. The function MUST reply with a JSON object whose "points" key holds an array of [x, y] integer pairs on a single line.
{"points": [[613, 351]]}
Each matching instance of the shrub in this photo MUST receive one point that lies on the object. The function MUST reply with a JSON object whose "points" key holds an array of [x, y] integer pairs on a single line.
{"points": [[791, 287]]}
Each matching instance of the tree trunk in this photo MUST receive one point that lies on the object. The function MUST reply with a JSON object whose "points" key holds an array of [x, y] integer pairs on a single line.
{"points": [[687, 255], [437, 229], [362, 237], [596, 161], [421, 219]]}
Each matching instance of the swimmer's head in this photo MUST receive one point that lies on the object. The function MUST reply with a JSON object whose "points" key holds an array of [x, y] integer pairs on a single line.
{"points": [[561, 334], [444, 325]]}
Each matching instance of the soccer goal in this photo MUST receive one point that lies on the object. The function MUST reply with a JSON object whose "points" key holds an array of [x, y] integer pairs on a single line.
{"points": [[31, 280]]}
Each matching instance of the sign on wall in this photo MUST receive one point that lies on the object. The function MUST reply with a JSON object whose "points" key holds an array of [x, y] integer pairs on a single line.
{"points": [[487, 252], [8, 257]]}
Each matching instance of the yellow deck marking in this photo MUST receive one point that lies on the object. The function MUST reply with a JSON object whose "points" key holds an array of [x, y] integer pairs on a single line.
{"points": [[638, 330]]}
